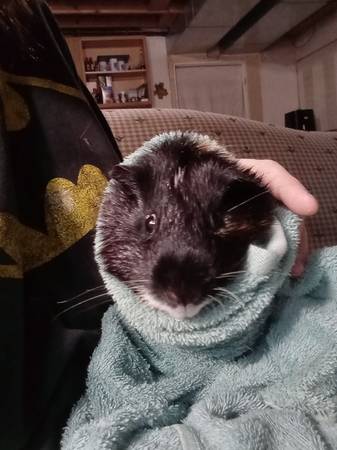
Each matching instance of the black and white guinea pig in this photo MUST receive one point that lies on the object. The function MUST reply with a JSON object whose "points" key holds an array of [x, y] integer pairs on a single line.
{"points": [[176, 221]]}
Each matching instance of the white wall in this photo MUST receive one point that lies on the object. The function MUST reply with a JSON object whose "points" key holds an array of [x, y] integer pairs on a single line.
{"points": [[270, 78], [317, 37], [158, 63], [293, 74], [279, 83], [316, 54], [302, 73]]}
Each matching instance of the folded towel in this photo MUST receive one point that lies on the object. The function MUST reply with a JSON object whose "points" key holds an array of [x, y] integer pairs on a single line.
{"points": [[257, 370]]}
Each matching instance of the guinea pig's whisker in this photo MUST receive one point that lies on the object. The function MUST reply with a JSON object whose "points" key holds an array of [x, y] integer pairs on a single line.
{"points": [[230, 294], [81, 303], [217, 300], [138, 281], [101, 286], [135, 287], [230, 274], [247, 201], [218, 303], [100, 303], [134, 283]]}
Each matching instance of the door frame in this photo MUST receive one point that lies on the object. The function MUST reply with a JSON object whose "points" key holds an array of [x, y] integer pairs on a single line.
{"points": [[242, 64]]}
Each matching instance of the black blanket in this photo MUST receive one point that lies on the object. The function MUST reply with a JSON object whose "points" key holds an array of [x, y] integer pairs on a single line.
{"points": [[55, 152]]}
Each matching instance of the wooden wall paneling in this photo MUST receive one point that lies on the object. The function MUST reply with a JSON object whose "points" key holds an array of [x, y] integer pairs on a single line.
{"points": [[75, 47]]}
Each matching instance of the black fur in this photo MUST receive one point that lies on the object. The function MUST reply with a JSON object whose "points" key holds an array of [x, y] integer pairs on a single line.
{"points": [[203, 227]]}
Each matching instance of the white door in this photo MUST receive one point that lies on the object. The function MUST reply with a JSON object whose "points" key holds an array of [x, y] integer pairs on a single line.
{"points": [[211, 87]]}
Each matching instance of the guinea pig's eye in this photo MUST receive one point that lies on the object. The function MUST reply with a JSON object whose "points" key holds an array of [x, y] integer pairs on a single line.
{"points": [[150, 223]]}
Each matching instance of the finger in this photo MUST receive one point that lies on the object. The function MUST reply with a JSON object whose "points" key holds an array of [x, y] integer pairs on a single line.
{"points": [[283, 186]]}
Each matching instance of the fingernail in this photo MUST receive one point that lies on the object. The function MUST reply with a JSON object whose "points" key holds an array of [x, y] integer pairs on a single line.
{"points": [[311, 204]]}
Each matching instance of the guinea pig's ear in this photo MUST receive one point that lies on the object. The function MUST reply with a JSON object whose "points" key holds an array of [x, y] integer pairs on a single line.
{"points": [[248, 205], [122, 174], [123, 178]]}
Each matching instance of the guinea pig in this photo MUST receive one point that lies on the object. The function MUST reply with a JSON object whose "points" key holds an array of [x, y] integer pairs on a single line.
{"points": [[176, 221]]}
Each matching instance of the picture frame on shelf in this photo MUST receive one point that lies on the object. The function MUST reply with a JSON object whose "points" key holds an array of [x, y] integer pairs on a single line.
{"points": [[142, 91]]}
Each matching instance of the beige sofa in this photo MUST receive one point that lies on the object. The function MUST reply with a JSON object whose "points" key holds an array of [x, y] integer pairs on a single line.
{"points": [[310, 156]]}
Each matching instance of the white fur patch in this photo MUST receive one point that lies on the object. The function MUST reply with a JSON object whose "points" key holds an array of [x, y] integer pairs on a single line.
{"points": [[262, 261], [278, 242], [178, 312], [178, 177]]}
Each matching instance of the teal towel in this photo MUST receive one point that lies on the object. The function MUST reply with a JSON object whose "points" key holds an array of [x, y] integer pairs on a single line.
{"points": [[257, 370]]}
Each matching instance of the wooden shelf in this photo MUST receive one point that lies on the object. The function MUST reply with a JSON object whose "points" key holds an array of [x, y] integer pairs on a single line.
{"points": [[125, 105], [112, 41], [117, 72], [122, 81]]}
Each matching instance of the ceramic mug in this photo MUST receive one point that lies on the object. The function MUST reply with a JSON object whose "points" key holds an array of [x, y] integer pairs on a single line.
{"points": [[103, 66], [112, 64]]}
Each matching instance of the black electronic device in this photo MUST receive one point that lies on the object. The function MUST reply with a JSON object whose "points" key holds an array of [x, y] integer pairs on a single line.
{"points": [[301, 119]]}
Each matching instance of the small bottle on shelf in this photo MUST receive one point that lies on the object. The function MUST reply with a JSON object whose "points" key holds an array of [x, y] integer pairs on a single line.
{"points": [[97, 93]]}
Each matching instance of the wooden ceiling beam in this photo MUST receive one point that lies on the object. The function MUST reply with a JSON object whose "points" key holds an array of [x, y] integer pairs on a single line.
{"points": [[101, 7], [106, 31], [167, 20], [106, 21], [78, 4], [327, 9], [159, 4], [76, 12], [134, 16]]}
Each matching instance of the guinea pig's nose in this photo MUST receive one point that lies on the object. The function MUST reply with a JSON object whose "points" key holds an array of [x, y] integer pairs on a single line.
{"points": [[172, 298], [179, 280]]}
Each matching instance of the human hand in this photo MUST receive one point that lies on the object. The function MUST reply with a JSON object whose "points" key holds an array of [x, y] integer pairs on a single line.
{"points": [[292, 194]]}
